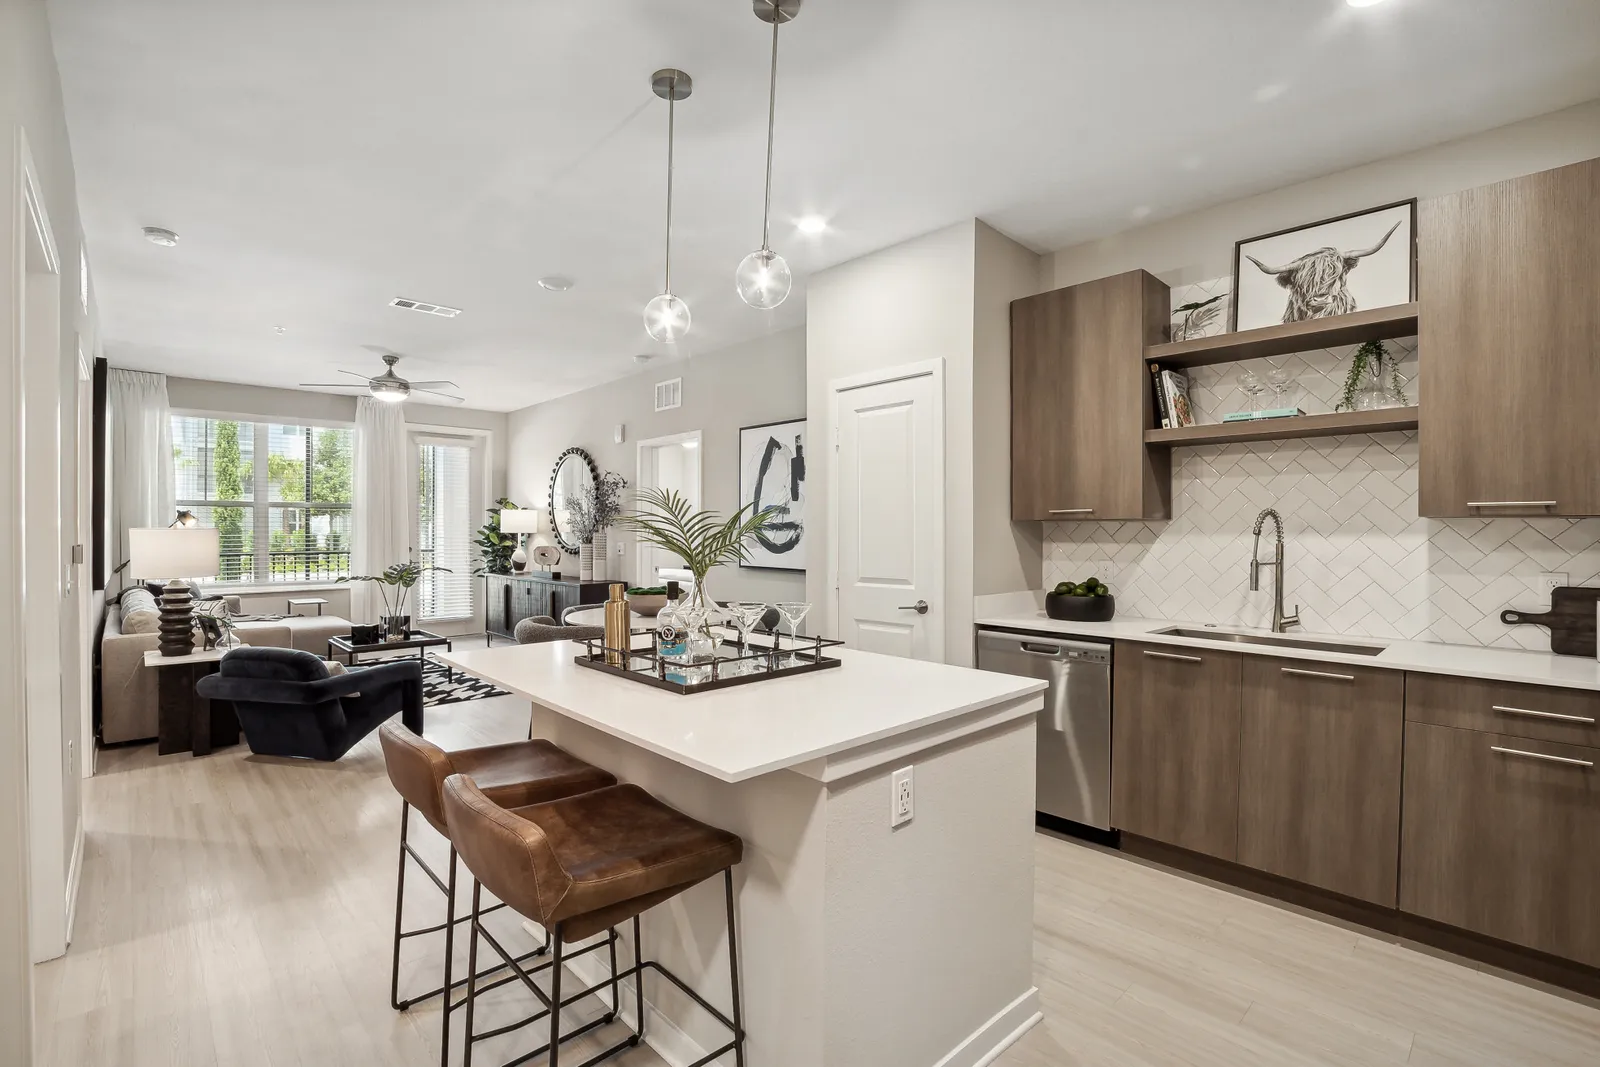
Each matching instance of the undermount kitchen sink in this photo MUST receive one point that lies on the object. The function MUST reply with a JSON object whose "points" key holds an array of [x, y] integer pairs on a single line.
{"points": [[1234, 637]]}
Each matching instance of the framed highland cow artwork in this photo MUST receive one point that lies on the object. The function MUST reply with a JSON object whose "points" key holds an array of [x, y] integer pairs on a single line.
{"points": [[1355, 262]]}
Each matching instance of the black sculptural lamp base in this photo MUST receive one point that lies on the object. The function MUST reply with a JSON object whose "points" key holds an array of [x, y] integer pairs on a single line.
{"points": [[177, 620]]}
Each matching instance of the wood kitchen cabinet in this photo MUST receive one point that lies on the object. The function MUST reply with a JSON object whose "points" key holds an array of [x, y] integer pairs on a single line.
{"points": [[1081, 400], [1319, 778], [1508, 331], [1500, 837], [1175, 746]]}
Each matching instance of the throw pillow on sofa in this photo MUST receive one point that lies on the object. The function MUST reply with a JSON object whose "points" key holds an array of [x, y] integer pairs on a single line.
{"points": [[140, 615]]}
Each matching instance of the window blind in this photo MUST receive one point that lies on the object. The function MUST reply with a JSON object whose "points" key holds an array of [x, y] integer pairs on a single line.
{"points": [[444, 531]]}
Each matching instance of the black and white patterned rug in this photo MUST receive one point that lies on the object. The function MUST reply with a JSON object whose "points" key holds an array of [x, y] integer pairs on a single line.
{"points": [[437, 688]]}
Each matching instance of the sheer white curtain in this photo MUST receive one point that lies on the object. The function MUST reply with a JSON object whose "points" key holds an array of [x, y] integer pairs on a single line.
{"points": [[381, 516], [141, 455]]}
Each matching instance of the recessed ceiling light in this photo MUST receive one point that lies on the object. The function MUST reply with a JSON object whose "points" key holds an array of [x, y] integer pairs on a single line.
{"points": [[811, 225], [556, 283], [425, 307], [280, 329], [156, 235]]}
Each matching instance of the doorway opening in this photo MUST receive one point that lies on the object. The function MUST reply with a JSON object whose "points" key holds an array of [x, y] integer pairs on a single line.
{"points": [[673, 463]]}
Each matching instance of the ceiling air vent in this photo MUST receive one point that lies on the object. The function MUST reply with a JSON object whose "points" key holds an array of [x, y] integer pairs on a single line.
{"points": [[669, 394], [425, 307]]}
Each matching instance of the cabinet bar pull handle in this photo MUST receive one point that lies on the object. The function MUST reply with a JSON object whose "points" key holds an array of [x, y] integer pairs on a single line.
{"points": [[1318, 674], [1511, 503], [1543, 714], [1540, 755], [1172, 655], [1072, 511]]}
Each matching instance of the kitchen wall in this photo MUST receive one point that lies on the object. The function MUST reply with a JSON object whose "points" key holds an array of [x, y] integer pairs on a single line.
{"points": [[745, 385], [1360, 560]]}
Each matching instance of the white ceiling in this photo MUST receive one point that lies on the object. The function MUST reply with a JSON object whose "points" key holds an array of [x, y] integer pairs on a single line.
{"points": [[320, 157]]}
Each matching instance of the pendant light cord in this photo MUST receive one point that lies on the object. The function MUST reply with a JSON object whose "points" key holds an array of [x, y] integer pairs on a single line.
{"points": [[672, 104], [772, 111]]}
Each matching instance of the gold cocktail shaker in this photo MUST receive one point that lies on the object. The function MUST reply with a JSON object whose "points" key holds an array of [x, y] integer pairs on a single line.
{"points": [[618, 638]]}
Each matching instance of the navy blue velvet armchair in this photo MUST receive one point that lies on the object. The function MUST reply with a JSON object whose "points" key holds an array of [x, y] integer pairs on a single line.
{"points": [[288, 704]]}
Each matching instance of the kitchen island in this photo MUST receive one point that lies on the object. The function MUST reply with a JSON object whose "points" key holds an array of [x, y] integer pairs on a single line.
{"points": [[860, 943]]}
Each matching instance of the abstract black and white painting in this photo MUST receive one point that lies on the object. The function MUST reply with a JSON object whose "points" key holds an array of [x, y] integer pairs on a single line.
{"points": [[1357, 262], [772, 474]]}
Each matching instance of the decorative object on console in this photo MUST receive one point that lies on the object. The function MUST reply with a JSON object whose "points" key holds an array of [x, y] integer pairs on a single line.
{"points": [[1573, 613], [365, 634], [572, 477], [495, 544], [772, 477], [1361, 261], [1374, 381], [666, 317], [216, 623], [590, 514], [174, 553], [517, 522], [401, 578], [763, 279], [1088, 601]]}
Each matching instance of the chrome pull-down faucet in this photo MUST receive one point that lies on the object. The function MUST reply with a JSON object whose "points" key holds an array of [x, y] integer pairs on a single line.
{"points": [[1280, 621]]}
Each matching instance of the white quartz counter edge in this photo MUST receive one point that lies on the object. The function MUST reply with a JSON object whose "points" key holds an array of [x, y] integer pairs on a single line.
{"points": [[1464, 661], [746, 731]]}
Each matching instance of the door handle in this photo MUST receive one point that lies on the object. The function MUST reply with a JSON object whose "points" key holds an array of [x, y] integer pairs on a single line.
{"points": [[920, 607], [1072, 511], [1172, 655], [1511, 503], [1319, 674], [1036, 650], [1587, 720], [1543, 756]]}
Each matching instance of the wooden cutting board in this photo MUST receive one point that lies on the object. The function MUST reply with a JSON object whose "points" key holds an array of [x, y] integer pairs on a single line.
{"points": [[1571, 619]]}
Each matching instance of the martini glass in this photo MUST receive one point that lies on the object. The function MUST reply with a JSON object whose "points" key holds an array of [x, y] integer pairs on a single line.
{"points": [[746, 614], [794, 613]]}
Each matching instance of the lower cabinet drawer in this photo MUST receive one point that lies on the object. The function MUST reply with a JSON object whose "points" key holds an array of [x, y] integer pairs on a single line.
{"points": [[1548, 713], [1501, 836]]}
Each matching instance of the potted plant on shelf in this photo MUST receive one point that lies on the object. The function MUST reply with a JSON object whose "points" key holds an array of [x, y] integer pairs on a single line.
{"points": [[702, 539], [1374, 380], [394, 586], [494, 543]]}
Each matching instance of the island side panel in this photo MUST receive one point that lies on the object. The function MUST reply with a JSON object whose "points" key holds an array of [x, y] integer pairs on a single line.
{"points": [[783, 966], [930, 924]]}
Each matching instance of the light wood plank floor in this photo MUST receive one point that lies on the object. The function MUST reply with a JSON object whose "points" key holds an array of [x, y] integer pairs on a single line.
{"points": [[237, 911]]}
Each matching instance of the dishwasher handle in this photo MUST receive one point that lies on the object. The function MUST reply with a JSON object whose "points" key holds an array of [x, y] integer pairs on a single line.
{"points": [[1050, 651]]}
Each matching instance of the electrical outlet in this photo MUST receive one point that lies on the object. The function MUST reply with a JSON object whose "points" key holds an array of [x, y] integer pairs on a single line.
{"points": [[901, 807], [622, 548], [1550, 581], [72, 757]]}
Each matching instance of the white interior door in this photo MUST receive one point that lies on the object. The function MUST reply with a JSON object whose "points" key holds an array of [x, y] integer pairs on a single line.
{"points": [[671, 462], [888, 490]]}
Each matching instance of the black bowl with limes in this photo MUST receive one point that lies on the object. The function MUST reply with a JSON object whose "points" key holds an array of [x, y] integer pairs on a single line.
{"points": [[1088, 601]]}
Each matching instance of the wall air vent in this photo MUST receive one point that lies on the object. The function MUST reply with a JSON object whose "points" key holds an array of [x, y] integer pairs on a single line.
{"points": [[669, 394], [424, 307]]}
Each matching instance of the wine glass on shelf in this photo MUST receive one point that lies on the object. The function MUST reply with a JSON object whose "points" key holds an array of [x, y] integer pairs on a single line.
{"points": [[746, 615], [1251, 385], [794, 613], [1281, 382]]}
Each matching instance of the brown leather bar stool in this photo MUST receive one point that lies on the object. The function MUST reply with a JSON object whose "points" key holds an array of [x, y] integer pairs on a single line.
{"points": [[580, 866], [518, 773]]}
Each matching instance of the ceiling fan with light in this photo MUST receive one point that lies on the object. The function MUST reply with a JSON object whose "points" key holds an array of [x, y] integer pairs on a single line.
{"points": [[389, 386]]}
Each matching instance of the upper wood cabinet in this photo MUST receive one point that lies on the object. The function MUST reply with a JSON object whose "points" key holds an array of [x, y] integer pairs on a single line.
{"points": [[1175, 746], [1081, 400], [1319, 778], [1509, 340]]}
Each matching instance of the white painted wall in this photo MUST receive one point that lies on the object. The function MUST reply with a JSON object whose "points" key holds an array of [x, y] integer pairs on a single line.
{"points": [[30, 98], [746, 385]]}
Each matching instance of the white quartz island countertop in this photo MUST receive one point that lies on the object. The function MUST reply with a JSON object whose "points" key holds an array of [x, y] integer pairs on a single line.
{"points": [[886, 808], [744, 731], [1463, 661]]}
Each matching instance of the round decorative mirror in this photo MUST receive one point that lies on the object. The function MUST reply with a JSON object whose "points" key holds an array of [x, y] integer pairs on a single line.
{"points": [[573, 476]]}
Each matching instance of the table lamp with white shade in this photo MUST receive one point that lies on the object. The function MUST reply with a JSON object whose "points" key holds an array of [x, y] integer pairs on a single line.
{"points": [[519, 521], [174, 553]]}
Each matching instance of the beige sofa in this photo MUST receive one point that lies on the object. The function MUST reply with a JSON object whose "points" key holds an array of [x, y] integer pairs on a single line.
{"points": [[128, 690]]}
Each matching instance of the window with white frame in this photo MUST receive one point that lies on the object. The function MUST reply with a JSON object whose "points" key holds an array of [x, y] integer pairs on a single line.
{"points": [[279, 493], [446, 507]]}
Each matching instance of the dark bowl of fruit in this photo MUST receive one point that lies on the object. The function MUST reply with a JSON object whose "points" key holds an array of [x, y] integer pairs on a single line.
{"points": [[1088, 601]]}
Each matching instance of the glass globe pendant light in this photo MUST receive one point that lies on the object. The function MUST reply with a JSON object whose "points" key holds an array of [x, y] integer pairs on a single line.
{"points": [[763, 278], [666, 318]]}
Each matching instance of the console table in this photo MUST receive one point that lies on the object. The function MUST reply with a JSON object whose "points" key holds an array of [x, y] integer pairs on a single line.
{"points": [[510, 598]]}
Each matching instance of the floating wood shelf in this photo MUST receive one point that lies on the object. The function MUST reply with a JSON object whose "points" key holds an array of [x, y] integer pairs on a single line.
{"points": [[1335, 425], [1378, 325]]}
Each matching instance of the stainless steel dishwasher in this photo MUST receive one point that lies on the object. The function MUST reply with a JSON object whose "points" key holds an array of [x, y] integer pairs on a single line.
{"points": [[1074, 769]]}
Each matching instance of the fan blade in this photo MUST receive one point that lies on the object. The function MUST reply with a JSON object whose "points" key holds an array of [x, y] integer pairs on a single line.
{"points": [[434, 385], [363, 377], [331, 385], [442, 396]]}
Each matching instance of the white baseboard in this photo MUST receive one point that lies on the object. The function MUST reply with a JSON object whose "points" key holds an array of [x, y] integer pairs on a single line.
{"points": [[674, 1046], [986, 1043], [74, 876]]}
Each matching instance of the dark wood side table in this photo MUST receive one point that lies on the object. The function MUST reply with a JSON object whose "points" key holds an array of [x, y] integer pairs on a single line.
{"points": [[188, 722]]}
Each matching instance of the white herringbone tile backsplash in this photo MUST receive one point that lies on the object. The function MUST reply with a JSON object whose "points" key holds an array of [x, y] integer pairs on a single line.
{"points": [[1360, 561]]}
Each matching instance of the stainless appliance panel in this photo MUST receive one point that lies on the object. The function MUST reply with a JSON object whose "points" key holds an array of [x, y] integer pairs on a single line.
{"points": [[1074, 762]]}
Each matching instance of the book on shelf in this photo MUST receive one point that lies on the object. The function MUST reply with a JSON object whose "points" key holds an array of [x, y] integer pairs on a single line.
{"points": [[1175, 395], [1163, 416], [1270, 413]]}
